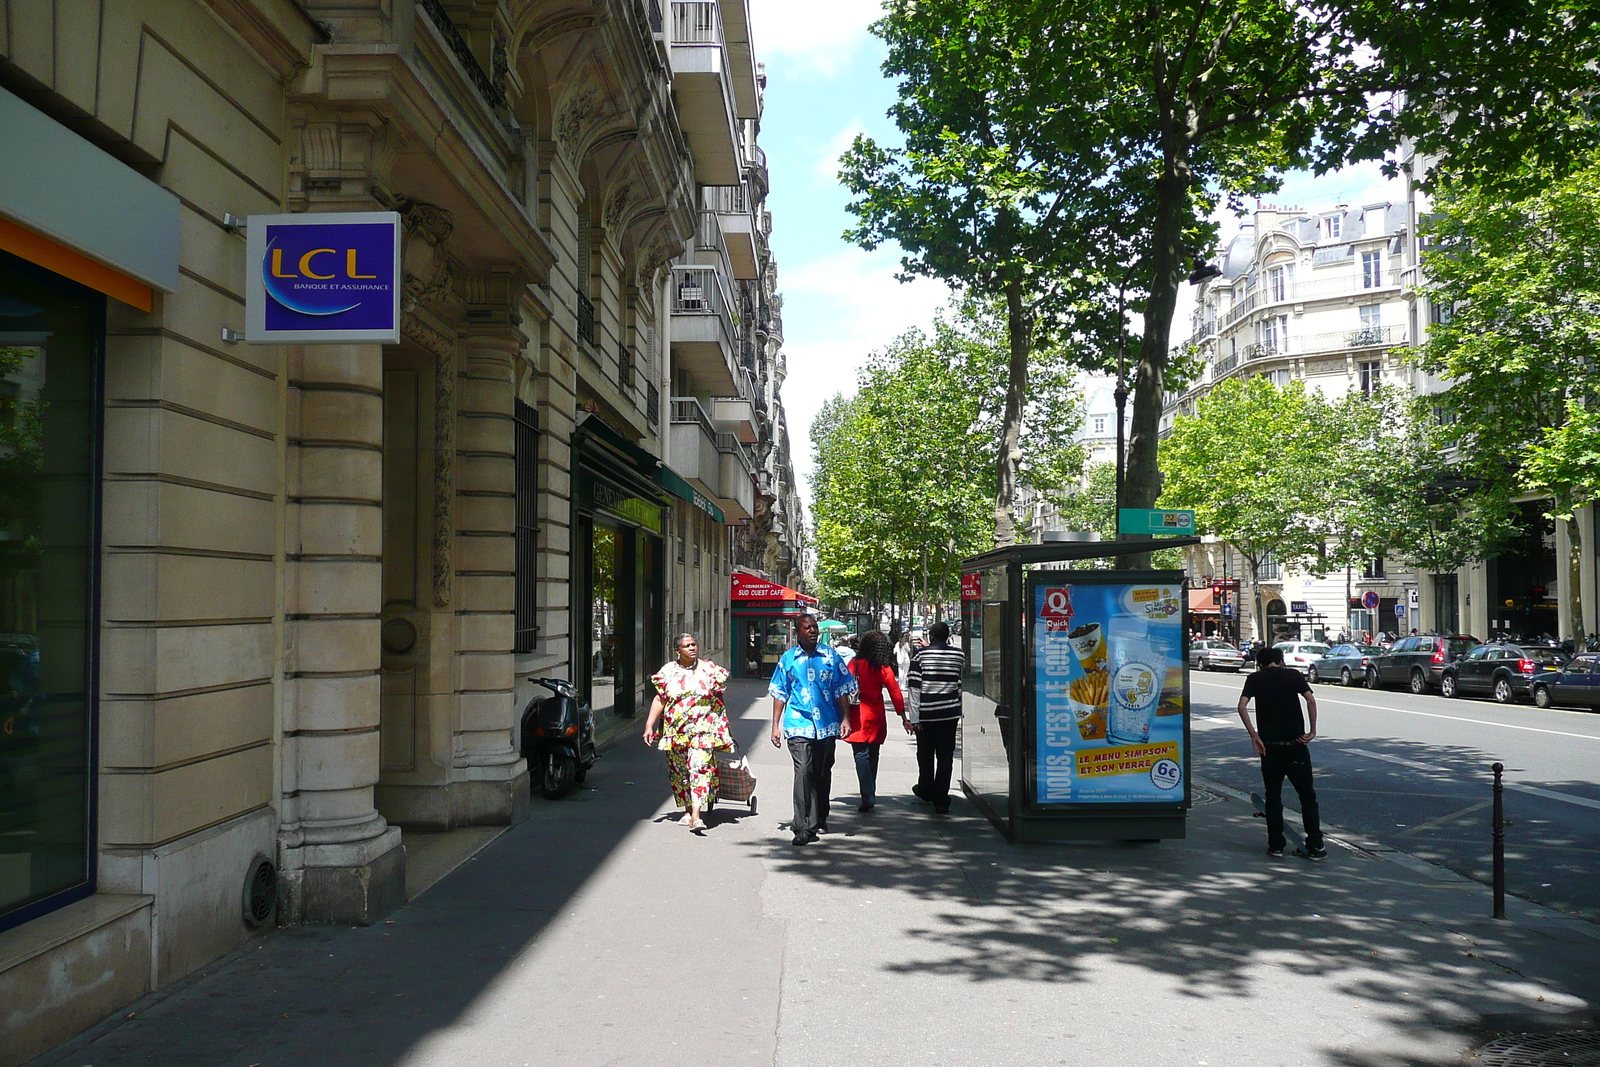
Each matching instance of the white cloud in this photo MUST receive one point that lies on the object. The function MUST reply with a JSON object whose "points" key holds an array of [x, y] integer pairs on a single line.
{"points": [[826, 168], [819, 36], [837, 309]]}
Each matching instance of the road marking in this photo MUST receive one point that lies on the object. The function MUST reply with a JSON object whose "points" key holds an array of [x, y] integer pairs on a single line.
{"points": [[1452, 817], [1436, 715], [1548, 794]]}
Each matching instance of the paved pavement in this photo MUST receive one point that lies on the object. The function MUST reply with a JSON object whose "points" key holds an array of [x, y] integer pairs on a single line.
{"points": [[599, 933]]}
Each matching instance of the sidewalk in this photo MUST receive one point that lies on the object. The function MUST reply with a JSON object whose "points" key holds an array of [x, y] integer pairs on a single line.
{"points": [[597, 933]]}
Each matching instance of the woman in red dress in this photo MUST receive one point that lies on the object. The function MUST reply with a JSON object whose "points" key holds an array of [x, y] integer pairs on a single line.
{"points": [[867, 726]]}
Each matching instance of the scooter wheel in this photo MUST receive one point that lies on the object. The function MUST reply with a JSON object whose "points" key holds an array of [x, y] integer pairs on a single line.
{"points": [[559, 775], [752, 803]]}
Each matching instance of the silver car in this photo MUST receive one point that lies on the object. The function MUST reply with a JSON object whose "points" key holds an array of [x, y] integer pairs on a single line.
{"points": [[1213, 655], [1302, 655]]}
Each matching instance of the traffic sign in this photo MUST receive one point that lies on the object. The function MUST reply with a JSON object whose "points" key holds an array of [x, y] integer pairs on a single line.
{"points": [[1154, 521], [1399, 611], [1369, 599]]}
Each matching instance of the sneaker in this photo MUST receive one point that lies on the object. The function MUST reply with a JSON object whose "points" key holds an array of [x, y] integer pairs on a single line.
{"points": [[1318, 853], [1276, 853]]}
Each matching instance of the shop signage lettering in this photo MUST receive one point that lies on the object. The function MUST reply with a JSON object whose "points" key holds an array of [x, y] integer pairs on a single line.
{"points": [[619, 503], [323, 278], [972, 587]]}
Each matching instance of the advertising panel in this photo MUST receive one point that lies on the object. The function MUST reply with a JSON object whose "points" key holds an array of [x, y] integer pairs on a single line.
{"points": [[1109, 691], [320, 278]]}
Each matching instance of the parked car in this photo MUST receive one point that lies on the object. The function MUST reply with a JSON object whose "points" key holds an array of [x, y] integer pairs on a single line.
{"points": [[1500, 670], [1346, 664], [1301, 655], [1419, 662], [1576, 684], [1211, 654]]}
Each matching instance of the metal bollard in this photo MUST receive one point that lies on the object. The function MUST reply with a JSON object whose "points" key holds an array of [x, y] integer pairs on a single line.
{"points": [[1498, 833]]}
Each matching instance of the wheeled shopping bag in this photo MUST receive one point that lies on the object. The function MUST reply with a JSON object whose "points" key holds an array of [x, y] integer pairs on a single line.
{"points": [[735, 783]]}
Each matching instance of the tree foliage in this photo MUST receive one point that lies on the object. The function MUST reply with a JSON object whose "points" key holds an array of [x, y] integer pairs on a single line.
{"points": [[1520, 345], [1124, 126], [905, 469]]}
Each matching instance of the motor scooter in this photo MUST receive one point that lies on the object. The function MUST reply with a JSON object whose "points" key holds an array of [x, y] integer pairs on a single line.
{"points": [[558, 738]]}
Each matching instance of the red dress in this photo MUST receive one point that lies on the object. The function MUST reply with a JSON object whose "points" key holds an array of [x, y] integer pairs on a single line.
{"points": [[869, 719]]}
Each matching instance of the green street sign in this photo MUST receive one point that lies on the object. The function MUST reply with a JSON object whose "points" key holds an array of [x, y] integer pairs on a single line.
{"points": [[1155, 521]]}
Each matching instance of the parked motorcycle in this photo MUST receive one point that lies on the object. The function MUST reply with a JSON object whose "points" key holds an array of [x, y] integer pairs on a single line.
{"points": [[558, 738]]}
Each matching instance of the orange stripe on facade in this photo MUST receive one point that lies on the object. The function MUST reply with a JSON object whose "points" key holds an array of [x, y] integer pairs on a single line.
{"points": [[53, 255]]}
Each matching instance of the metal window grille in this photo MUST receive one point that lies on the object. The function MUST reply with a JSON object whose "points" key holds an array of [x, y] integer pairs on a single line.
{"points": [[585, 319], [526, 429], [655, 16], [653, 403], [624, 367]]}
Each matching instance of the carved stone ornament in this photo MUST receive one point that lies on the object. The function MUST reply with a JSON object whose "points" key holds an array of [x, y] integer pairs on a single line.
{"points": [[619, 204], [574, 119], [426, 270], [444, 476]]}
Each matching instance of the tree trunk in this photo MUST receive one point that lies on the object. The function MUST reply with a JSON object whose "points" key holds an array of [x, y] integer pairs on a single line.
{"points": [[1142, 482], [1575, 579], [1010, 454]]}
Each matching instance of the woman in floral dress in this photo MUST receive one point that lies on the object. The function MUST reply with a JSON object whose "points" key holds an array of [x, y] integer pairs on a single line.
{"points": [[687, 720]]}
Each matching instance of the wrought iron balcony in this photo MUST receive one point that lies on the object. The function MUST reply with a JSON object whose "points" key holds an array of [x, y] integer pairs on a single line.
{"points": [[585, 319]]}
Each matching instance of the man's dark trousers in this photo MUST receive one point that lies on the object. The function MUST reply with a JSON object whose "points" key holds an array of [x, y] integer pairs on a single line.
{"points": [[1291, 760], [813, 780], [936, 752]]}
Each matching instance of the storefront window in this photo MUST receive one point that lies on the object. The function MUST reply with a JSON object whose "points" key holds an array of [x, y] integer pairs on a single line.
{"points": [[604, 557], [50, 337]]}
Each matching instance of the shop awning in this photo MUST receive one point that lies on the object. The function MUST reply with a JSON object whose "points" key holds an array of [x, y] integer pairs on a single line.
{"points": [[751, 589], [673, 483], [1200, 603]]}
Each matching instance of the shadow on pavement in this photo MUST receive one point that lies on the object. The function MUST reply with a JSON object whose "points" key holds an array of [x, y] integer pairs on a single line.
{"points": [[365, 997]]}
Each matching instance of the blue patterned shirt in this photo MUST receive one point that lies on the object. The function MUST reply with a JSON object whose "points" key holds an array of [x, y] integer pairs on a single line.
{"points": [[810, 684]]}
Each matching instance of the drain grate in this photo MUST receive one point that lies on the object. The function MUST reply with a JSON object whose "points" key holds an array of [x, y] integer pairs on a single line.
{"points": [[1572, 1048]]}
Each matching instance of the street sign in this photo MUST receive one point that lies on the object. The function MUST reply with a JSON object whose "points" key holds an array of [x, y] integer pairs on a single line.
{"points": [[1369, 599], [1154, 521], [1399, 611], [1300, 607]]}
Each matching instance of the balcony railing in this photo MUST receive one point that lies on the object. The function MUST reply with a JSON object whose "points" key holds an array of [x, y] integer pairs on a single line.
{"points": [[696, 22], [1265, 294], [1365, 337], [710, 240], [687, 409], [1263, 350], [701, 291], [463, 53], [730, 444], [1224, 365], [726, 199], [624, 367], [585, 319]]}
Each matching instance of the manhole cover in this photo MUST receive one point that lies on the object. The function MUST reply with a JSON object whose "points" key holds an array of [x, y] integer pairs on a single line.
{"points": [[1573, 1048]]}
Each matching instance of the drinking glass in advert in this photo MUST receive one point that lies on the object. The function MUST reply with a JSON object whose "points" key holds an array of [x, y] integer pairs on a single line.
{"points": [[1135, 688]]}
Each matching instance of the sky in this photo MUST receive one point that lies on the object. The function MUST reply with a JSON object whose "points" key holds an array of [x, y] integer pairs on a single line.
{"points": [[824, 85]]}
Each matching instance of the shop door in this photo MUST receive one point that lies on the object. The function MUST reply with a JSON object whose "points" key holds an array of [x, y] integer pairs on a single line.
{"points": [[750, 648]]}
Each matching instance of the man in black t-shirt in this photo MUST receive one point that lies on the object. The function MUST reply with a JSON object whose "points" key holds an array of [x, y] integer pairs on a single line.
{"points": [[1280, 738]]}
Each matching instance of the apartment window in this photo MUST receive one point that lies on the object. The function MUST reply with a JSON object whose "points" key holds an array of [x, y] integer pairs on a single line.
{"points": [[1371, 270], [1374, 569], [1371, 316], [1444, 415], [1275, 334], [1278, 284], [1371, 377], [1099, 424], [1269, 568], [526, 448], [1331, 227]]}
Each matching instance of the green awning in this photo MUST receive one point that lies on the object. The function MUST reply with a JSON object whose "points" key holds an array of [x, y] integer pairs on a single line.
{"points": [[669, 480]]}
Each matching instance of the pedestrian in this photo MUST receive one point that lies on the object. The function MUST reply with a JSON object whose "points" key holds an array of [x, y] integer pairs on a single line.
{"points": [[842, 646], [810, 691], [902, 657], [935, 679], [1281, 738], [687, 719], [867, 724]]}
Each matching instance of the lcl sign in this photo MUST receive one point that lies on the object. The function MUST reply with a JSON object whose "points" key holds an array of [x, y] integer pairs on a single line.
{"points": [[323, 278]]}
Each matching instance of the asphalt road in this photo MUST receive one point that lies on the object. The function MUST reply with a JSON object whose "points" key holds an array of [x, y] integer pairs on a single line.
{"points": [[1413, 772]]}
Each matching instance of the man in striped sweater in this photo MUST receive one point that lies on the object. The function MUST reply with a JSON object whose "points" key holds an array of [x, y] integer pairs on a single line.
{"points": [[935, 679]]}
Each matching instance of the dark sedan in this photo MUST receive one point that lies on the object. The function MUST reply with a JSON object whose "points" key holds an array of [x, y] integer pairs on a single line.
{"points": [[1577, 684], [1418, 662], [1346, 663], [1498, 670]]}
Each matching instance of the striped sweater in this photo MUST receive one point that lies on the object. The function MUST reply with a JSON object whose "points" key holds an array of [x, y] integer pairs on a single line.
{"points": [[936, 678]]}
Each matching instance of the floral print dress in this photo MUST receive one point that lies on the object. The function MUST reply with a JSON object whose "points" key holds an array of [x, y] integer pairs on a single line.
{"points": [[694, 726]]}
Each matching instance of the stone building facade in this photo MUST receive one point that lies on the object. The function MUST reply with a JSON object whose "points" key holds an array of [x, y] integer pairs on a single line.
{"points": [[266, 608]]}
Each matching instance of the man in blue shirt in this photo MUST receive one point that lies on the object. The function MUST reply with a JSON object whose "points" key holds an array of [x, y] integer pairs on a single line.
{"points": [[810, 699]]}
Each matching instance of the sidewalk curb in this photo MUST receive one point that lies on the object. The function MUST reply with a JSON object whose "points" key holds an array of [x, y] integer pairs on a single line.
{"points": [[1359, 843]]}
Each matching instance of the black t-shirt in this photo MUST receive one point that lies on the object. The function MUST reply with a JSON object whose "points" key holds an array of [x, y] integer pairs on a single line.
{"points": [[1277, 694]]}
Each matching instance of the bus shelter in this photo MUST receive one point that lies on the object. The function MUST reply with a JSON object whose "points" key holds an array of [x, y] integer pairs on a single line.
{"points": [[1076, 699]]}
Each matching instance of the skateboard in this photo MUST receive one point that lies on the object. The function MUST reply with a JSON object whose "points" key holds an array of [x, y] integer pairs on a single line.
{"points": [[1293, 835]]}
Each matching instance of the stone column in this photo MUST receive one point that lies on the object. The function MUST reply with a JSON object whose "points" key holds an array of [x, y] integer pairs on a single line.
{"points": [[490, 775], [341, 861]]}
